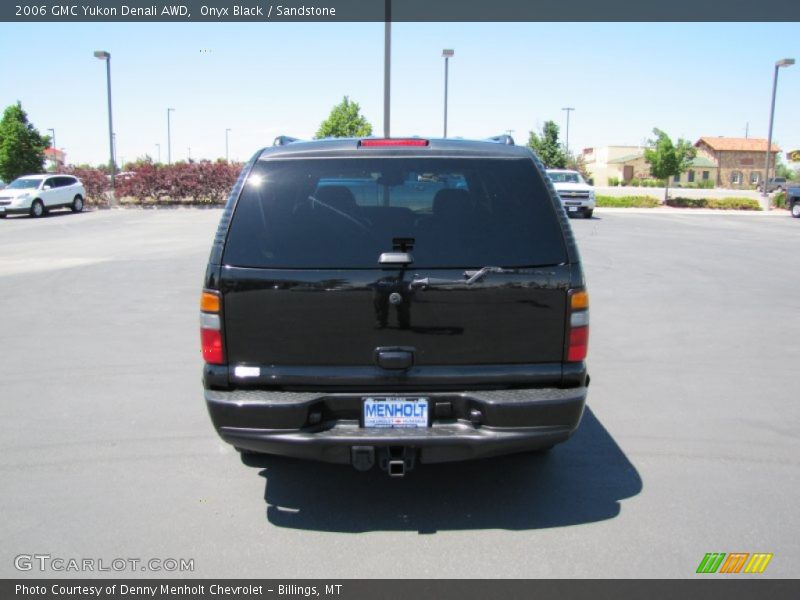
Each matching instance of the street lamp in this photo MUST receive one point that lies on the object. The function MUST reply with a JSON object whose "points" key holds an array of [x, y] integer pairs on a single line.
{"points": [[227, 130], [566, 136], [106, 56], [55, 150], [387, 65], [785, 62], [169, 141], [447, 53]]}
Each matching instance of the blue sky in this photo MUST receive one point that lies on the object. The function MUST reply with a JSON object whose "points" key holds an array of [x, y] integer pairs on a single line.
{"points": [[262, 80]]}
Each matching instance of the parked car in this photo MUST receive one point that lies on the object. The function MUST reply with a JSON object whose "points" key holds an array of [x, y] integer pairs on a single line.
{"points": [[577, 195], [37, 194], [774, 184], [394, 301], [793, 201]]}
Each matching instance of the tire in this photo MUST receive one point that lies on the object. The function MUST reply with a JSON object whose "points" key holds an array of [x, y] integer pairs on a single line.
{"points": [[37, 209], [587, 214], [3, 215], [796, 209], [77, 204]]}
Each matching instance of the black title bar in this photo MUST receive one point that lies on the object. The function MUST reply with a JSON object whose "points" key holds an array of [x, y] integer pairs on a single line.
{"points": [[401, 11], [700, 588]]}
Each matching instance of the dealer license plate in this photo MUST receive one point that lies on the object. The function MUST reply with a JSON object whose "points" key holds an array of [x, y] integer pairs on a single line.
{"points": [[395, 412]]}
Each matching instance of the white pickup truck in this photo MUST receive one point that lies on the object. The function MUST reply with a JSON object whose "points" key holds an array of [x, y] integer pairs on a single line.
{"points": [[576, 195]]}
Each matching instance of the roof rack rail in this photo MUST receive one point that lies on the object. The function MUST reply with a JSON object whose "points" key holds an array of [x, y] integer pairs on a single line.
{"points": [[502, 139], [283, 140]]}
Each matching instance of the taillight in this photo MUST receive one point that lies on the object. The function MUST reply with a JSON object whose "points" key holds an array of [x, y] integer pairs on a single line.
{"points": [[211, 328], [578, 334], [392, 142]]}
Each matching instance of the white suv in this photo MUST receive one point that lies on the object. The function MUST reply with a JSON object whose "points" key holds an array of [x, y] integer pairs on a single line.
{"points": [[37, 194], [576, 195]]}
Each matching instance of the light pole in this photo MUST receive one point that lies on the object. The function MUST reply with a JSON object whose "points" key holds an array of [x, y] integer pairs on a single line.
{"points": [[447, 53], [387, 65], [785, 62], [55, 150], [566, 136], [158, 147], [106, 56], [226, 144], [169, 141]]}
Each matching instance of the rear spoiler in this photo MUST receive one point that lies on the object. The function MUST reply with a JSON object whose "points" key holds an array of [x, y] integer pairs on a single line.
{"points": [[283, 140], [502, 139]]}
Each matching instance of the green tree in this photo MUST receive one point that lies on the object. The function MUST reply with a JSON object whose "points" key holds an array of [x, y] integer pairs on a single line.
{"points": [[547, 147], [667, 159], [783, 170], [21, 145], [345, 120], [578, 163]]}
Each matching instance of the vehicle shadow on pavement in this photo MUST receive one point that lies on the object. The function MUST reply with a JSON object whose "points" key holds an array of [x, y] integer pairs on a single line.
{"points": [[580, 481]]}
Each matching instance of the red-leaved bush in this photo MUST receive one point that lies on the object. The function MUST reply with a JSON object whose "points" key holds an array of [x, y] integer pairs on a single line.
{"points": [[202, 182], [94, 181]]}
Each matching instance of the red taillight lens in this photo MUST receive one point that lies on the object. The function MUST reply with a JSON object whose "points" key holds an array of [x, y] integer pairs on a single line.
{"points": [[578, 321], [211, 340], [393, 142], [211, 328], [578, 344]]}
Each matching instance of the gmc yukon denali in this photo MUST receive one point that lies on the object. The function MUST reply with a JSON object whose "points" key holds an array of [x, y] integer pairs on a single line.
{"points": [[394, 301]]}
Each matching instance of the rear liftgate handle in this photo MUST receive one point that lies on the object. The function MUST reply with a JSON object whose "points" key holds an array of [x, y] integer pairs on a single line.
{"points": [[394, 358]]}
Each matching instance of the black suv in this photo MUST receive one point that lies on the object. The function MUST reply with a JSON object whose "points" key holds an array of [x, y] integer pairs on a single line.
{"points": [[394, 300]]}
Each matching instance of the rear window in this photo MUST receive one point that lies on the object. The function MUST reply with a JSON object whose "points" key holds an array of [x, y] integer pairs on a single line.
{"points": [[343, 213]]}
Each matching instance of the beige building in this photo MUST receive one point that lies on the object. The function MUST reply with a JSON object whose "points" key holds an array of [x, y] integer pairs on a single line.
{"points": [[615, 162], [741, 160], [624, 163]]}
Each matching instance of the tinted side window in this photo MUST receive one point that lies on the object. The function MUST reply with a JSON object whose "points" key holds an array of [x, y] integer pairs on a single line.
{"points": [[343, 213], [64, 181]]}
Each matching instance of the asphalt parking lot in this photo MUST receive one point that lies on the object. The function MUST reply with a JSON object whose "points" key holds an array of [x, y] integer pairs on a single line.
{"points": [[690, 443]]}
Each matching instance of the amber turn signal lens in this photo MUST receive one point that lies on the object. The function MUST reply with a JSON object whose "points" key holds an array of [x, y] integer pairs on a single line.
{"points": [[579, 300], [209, 302]]}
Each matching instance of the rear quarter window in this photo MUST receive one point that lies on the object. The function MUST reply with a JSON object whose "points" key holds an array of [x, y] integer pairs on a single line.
{"points": [[343, 213]]}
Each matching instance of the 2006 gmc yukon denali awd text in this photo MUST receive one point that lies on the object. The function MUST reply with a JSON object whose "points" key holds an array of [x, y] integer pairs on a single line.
{"points": [[394, 301]]}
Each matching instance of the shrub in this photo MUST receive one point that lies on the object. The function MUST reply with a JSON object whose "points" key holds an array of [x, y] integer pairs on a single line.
{"points": [[734, 203], [613, 181], [715, 203], [627, 201], [146, 183], [680, 202], [95, 181], [779, 200], [635, 182]]}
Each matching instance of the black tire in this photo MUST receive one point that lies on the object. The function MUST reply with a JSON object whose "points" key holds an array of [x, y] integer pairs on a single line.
{"points": [[37, 209], [796, 209], [77, 204], [3, 215], [587, 213]]}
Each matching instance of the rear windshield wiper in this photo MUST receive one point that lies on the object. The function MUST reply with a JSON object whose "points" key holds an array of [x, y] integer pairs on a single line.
{"points": [[470, 278]]}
